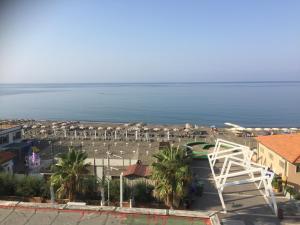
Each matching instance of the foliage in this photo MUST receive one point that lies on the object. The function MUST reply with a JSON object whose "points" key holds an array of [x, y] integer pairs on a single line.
{"points": [[171, 175], [25, 186], [35, 149], [143, 192], [68, 173]]}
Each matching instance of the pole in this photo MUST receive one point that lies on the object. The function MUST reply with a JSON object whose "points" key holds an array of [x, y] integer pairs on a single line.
{"points": [[121, 189]]}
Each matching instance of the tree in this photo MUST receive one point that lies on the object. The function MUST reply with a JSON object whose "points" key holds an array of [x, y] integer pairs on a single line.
{"points": [[171, 175], [68, 173]]}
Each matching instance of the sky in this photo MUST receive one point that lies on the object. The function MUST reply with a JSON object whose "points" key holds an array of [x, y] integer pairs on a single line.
{"points": [[62, 41]]}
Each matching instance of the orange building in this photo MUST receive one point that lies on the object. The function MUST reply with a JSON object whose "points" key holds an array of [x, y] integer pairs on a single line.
{"points": [[281, 153]]}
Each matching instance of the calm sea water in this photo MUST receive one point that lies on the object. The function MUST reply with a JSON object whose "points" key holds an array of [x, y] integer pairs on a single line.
{"points": [[248, 104]]}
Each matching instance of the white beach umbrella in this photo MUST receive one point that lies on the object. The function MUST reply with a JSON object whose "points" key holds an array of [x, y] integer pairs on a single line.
{"points": [[62, 127], [285, 129], [293, 128], [100, 128], [54, 127], [126, 125], [72, 127], [166, 129], [42, 131], [258, 129], [175, 129], [63, 124], [249, 129], [146, 128], [267, 129], [34, 126], [43, 126], [109, 128], [156, 129], [186, 130], [187, 126], [91, 128], [54, 124], [81, 127], [118, 128], [276, 129], [240, 129], [25, 126]]}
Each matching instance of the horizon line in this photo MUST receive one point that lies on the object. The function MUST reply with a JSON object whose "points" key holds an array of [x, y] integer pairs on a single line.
{"points": [[158, 82]]}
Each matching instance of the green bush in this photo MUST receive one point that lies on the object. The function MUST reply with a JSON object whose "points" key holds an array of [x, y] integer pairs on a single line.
{"points": [[25, 186], [143, 192]]}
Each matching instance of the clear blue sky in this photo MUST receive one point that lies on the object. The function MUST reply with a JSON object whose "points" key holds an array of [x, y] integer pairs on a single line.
{"points": [[149, 41]]}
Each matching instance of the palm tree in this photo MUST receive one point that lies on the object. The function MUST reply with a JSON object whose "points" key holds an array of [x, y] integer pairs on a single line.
{"points": [[68, 173], [171, 175]]}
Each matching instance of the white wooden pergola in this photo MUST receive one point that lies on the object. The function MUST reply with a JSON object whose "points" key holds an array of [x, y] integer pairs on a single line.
{"points": [[230, 155]]}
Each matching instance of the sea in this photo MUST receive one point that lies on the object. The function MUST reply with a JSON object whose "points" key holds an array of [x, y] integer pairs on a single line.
{"points": [[249, 104]]}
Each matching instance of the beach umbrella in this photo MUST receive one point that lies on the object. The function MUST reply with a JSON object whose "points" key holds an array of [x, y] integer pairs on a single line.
{"points": [[156, 129], [186, 130], [109, 128], [34, 126], [81, 127], [91, 128], [63, 124], [166, 129], [276, 129], [100, 128], [126, 125], [240, 128], [43, 126], [62, 127], [118, 128], [258, 129], [146, 128], [293, 128], [42, 131], [54, 124], [187, 126], [72, 127], [25, 126], [175, 129], [249, 129], [54, 127], [267, 129]]}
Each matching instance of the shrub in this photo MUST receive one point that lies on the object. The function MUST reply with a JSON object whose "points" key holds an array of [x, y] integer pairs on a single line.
{"points": [[7, 184], [143, 192]]}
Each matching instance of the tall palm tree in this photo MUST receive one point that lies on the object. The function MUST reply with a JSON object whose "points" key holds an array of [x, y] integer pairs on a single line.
{"points": [[68, 173], [171, 175]]}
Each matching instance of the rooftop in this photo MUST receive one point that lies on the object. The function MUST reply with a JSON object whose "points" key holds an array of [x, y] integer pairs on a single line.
{"points": [[7, 126], [6, 156], [285, 145], [137, 170]]}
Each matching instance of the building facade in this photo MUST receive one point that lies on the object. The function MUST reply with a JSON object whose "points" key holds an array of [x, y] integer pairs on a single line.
{"points": [[281, 153]]}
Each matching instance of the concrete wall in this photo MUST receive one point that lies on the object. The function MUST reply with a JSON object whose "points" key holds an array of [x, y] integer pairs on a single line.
{"points": [[279, 165], [293, 176], [271, 159]]}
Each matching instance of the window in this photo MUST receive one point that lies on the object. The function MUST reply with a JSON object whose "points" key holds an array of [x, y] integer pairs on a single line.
{"points": [[4, 139], [297, 168], [17, 135], [281, 163], [271, 156]]}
